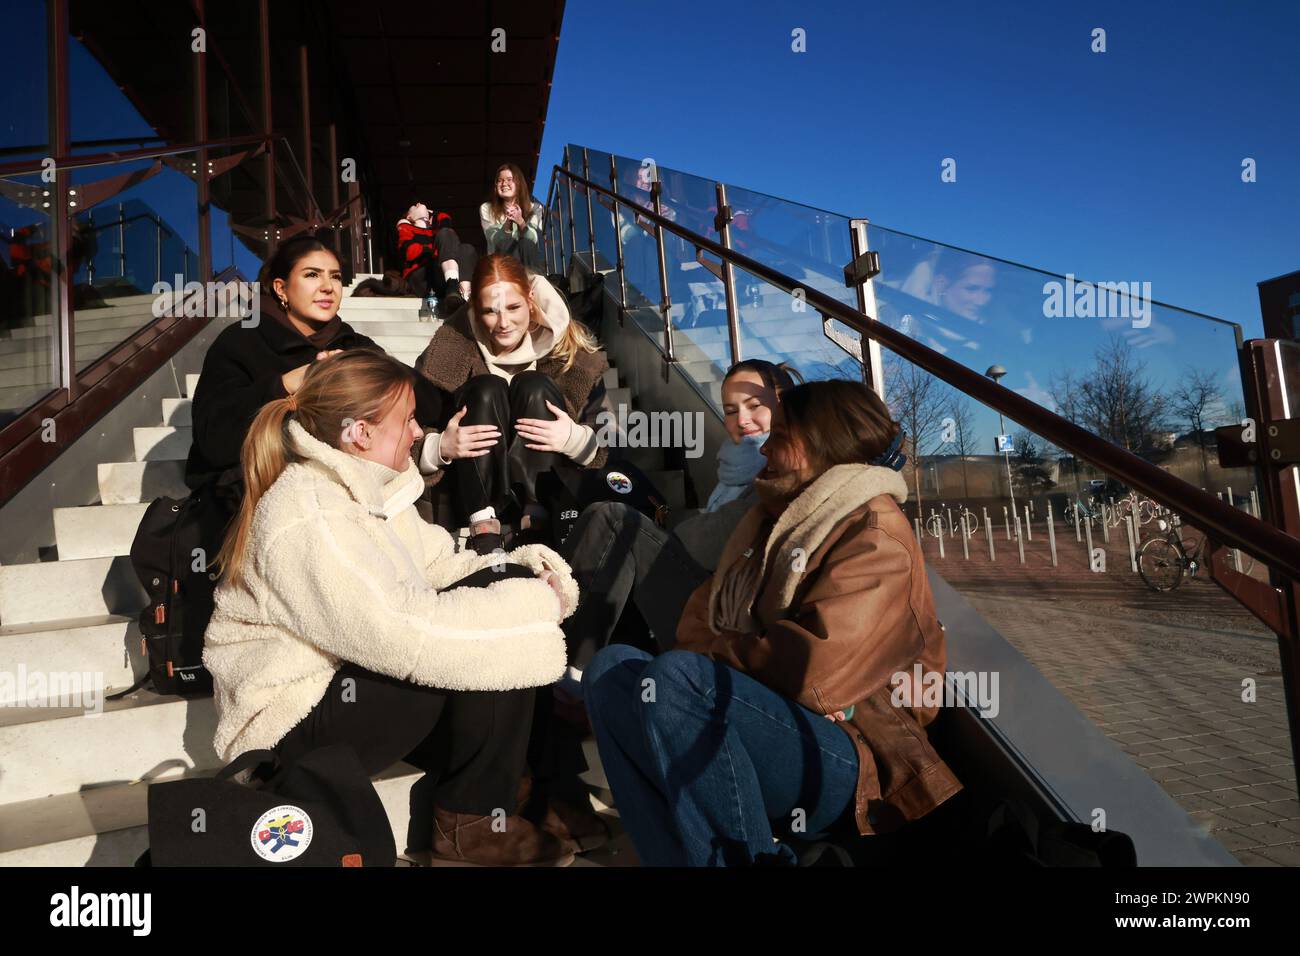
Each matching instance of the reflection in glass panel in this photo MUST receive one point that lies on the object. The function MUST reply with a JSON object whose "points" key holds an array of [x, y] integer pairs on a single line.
{"points": [[28, 339], [602, 212]]}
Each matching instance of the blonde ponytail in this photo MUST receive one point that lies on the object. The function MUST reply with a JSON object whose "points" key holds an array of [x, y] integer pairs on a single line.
{"points": [[357, 385]]}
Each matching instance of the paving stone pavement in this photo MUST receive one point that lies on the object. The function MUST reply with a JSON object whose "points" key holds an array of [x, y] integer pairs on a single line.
{"points": [[1160, 673]]}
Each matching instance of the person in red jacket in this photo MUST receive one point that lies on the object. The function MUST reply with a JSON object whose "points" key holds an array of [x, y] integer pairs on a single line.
{"points": [[429, 246]]}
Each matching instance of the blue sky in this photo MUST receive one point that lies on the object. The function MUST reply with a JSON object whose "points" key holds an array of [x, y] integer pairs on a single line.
{"points": [[1122, 165]]}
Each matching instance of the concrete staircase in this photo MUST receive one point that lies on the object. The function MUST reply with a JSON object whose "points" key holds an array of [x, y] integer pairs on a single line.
{"points": [[73, 784]]}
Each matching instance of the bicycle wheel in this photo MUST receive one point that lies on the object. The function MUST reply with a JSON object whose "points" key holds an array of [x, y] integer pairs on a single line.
{"points": [[1161, 563], [972, 524], [1146, 511], [934, 525]]}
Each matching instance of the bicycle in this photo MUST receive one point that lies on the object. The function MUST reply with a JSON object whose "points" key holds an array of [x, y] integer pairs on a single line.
{"points": [[937, 525], [1163, 561]]}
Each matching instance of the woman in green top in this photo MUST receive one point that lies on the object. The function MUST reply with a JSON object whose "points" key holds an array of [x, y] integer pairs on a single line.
{"points": [[512, 220]]}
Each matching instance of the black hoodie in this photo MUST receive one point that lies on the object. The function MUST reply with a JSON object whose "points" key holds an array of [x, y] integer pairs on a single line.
{"points": [[241, 373]]}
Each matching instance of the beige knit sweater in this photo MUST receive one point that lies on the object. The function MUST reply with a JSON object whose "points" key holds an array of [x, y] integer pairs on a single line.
{"points": [[340, 568]]}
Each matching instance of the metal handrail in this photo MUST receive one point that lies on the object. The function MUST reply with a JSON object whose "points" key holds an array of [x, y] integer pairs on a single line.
{"points": [[1222, 521], [126, 155]]}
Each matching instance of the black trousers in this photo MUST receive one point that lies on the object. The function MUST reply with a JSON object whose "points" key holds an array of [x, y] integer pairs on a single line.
{"points": [[473, 744], [448, 246], [617, 553], [507, 475]]}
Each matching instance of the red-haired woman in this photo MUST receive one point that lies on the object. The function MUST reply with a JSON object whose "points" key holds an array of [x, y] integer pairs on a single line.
{"points": [[524, 383]]}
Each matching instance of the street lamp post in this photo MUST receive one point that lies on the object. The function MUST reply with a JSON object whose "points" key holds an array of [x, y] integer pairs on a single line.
{"points": [[995, 372]]}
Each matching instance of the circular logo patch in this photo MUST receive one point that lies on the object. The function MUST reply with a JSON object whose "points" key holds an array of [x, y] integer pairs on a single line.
{"points": [[619, 482], [282, 834]]}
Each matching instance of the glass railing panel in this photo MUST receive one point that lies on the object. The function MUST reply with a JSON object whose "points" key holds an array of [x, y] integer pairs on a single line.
{"points": [[602, 214], [29, 339], [128, 246], [1079, 573], [562, 224]]}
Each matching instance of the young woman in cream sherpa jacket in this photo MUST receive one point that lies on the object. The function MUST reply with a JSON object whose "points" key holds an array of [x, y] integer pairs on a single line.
{"points": [[343, 617]]}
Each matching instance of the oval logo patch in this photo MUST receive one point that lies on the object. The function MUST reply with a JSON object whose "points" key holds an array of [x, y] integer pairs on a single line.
{"points": [[619, 482], [282, 834]]}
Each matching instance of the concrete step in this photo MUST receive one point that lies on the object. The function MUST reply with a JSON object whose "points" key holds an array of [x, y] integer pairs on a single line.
{"points": [[403, 344], [85, 337], [162, 443], [40, 356], [619, 396], [176, 411], [407, 358], [96, 531], [30, 377], [191, 383], [51, 591], [145, 736], [109, 646], [424, 330], [611, 378], [107, 826], [379, 303], [125, 482]]}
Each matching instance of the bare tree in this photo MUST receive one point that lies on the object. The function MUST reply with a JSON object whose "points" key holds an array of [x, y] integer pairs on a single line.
{"points": [[1117, 401], [916, 399], [1195, 399], [959, 432], [1029, 470]]}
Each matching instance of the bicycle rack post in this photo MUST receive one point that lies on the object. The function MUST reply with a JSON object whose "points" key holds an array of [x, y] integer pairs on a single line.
{"points": [[965, 545], [917, 523], [1088, 534], [1029, 531], [988, 533], [951, 528], [1132, 548], [1020, 540], [941, 554], [1105, 523], [1078, 520], [1051, 533], [1006, 522]]}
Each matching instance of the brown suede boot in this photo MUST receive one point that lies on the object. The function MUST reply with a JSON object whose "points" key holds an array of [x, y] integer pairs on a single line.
{"points": [[468, 839], [579, 827]]}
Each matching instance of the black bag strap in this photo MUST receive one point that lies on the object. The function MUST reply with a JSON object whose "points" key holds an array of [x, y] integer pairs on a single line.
{"points": [[249, 760], [140, 682]]}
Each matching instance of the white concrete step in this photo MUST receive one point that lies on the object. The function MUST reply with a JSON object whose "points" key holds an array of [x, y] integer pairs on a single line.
{"points": [[51, 591], [424, 330], [162, 443], [619, 396], [611, 378], [126, 482], [379, 303], [96, 531], [28, 377], [176, 411], [51, 751], [191, 383], [40, 356], [107, 826], [403, 344], [109, 646]]}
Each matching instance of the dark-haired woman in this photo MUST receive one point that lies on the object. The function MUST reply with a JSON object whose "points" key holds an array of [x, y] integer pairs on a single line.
{"points": [[512, 219], [620, 554], [256, 361], [791, 702]]}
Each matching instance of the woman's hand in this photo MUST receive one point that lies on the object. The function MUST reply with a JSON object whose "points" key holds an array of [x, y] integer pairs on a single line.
{"points": [[541, 435], [551, 579], [515, 215], [292, 379], [466, 441]]}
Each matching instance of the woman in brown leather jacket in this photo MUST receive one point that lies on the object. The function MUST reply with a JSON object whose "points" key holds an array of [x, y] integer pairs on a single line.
{"points": [[791, 702]]}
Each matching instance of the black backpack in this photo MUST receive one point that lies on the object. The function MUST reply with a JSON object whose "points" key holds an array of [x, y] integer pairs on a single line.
{"points": [[319, 810], [170, 554]]}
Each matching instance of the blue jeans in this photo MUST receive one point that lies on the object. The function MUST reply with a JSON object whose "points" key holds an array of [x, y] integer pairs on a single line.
{"points": [[706, 762]]}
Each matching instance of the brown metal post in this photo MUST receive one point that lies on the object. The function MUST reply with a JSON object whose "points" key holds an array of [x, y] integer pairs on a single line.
{"points": [[334, 180], [268, 161], [304, 107], [1269, 392], [573, 233], [61, 310], [201, 135], [618, 240]]}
